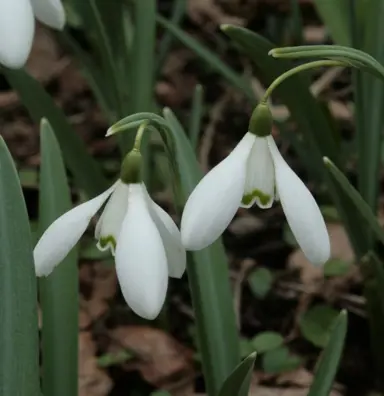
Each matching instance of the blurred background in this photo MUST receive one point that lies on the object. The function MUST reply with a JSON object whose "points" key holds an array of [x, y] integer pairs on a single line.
{"points": [[277, 293]]}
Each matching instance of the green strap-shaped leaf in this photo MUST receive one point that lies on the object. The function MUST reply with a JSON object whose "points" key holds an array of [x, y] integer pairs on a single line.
{"points": [[329, 361], [196, 116], [238, 383], [19, 361], [356, 200], [335, 17], [59, 291], [40, 105]]}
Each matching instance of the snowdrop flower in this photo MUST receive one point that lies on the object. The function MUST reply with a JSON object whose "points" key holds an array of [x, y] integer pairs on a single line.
{"points": [[254, 172], [143, 238], [17, 27]]}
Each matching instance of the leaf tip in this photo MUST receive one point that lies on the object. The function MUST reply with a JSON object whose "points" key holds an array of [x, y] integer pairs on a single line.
{"points": [[110, 131], [327, 161], [225, 26]]}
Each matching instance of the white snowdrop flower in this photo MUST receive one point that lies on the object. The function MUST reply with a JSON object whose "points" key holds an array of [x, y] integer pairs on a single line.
{"points": [[143, 237], [254, 172], [17, 27]]}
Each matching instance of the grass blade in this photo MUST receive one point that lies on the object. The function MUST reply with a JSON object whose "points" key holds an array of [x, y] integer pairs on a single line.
{"points": [[19, 374], [84, 168], [142, 74], [369, 154], [335, 16], [329, 362], [239, 382], [209, 57], [59, 291], [357, 201], [196, 116], [178, 11]]}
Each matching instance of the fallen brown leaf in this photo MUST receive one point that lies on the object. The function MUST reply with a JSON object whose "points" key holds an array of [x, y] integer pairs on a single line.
{"points": [[102, 282], [92, 380], [162, 360]]}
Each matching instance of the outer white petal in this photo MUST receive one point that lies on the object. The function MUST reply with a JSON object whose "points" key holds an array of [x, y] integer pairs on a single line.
{"points": [[17, 26], [49, 12], [63, 234], [302, 212], [260, 180], [215, 200], [171, 237], [141, 261], [108, 227]]}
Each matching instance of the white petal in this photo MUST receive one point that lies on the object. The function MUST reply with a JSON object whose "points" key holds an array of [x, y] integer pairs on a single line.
{"points": [[63, 234], [215, 200], [260, 180], [302, 212], [141, 261], [17, 26], [49, 12], [108, 227], [170, 235]]}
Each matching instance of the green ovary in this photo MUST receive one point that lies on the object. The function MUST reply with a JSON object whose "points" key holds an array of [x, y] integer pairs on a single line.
{"points": [[108, 240], [263, 198]]}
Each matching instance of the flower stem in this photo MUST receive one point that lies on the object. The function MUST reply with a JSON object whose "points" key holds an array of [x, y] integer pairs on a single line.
{"points": [[139, 136], [295, 70]]}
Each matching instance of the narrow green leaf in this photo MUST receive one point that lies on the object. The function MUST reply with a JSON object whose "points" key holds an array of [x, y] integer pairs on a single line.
{"points": [[209, 57], [239, 382], [316, 324], [371, 132], [93, 74], [196, 116], [97, 31], [208, 277], [267, 341], [178, 11], [335, 17], [59, 291], [19, 374], [356, 199], [86, 171], [142, 74], [143, 62], [329, 361]]}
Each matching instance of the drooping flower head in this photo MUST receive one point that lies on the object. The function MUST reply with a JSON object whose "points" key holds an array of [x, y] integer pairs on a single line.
{"points": [[17, 26], [143, 238], [254, 172]]}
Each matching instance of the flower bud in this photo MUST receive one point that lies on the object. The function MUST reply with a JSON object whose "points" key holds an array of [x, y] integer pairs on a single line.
{"points": [[260, 123]]}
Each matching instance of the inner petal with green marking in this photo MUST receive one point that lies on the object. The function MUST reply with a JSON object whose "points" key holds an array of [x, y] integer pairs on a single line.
{"points": [[256, 195], [107, 242]]}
